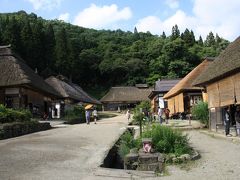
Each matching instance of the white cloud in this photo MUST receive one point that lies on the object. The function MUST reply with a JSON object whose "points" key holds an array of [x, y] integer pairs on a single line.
{"points": [[64, 17], [45, 4], [101, 17], [157, 26], [218, 16], [173, 4]]}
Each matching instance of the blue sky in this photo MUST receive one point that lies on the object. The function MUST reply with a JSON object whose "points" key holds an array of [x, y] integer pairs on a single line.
{"points": [[156, 16]]}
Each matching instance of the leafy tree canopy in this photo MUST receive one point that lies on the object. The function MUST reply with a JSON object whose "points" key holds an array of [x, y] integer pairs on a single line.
{"points": [[104, 58]]}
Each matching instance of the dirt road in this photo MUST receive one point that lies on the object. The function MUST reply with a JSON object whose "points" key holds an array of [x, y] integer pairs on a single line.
{"points": [[220, 160]]}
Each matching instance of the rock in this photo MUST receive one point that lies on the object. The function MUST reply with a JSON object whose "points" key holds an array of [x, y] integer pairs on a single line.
{"points": [[134, 150], [130, 161], [195, 155], [174, 160], [157, 167], [181, 159], [185, 157], [148, 158]]}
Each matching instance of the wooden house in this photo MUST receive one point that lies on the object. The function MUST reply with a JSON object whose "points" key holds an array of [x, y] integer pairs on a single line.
{"points": [[161, 87], [184, 95], [21, 87], [120, 98], [222, 83], [70, 94]]}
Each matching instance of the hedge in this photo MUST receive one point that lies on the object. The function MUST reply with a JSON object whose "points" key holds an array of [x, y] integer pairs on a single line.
{"points": [[75, 115], [8, 115], [9, 130]]}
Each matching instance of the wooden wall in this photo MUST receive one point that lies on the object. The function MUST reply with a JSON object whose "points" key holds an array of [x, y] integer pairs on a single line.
{"points": [[176, 104], [223, 92], [179, 104], [171, 105], [205, 97]]}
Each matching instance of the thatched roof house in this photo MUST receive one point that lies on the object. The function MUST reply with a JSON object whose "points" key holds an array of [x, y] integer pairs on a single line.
{"points": [[125, 97], [20, 86], [161, 87], [87, 97], [222, 83], [226, 64], [71, 92], [183, 95], [14, 72]]}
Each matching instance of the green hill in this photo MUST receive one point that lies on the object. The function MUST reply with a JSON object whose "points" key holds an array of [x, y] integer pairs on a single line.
{"points": [[101, 59]]}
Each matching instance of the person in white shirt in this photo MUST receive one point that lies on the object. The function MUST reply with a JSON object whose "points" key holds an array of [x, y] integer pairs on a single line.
{"points": [[95, 115], [128, 115], [160, 113]]}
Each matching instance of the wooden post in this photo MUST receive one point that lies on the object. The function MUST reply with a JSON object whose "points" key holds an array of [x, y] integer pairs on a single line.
{"points": [[140, 122]]}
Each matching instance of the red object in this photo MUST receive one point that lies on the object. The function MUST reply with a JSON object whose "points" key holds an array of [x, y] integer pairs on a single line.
{"points": [[147, 146]]}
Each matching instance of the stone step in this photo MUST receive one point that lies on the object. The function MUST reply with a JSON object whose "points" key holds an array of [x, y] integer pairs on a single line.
{"points": [[151, 167], [150, 158]]}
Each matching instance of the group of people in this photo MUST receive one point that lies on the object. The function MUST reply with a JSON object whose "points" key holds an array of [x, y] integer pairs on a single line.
{"points": [[163, 115], [163, 112], [89, 113], [228, 119]]}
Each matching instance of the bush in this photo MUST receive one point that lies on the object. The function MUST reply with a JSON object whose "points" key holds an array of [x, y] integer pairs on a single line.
{"points": [[8, 115], [126, 143], [200, 112], [138, 116], [15, 129], [167, 140], [75, 115]]}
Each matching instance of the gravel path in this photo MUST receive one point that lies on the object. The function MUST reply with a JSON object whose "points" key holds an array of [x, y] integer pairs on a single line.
{"points": [[75, 152], [64, 153], [220, 160]]}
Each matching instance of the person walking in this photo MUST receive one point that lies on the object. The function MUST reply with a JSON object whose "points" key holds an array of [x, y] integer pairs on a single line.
{"points": [[237, 119], [95, 115], [160, 113], [167, 112], [227, 121], [88, 115], [128, 115]]}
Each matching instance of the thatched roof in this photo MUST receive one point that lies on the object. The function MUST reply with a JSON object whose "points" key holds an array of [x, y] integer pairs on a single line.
{"points": [[227, 63], [15, 72], [70, 90], [88, 98], [141, 85], [163, 86], [126, 94], [186, 83]]}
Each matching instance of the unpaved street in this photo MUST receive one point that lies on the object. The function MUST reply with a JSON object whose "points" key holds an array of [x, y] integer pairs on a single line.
{"points": [[76, 152], [220, 160], [70, 152]]}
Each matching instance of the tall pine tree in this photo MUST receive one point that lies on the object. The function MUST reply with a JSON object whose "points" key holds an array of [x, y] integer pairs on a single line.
{"points": [[175, 32]]}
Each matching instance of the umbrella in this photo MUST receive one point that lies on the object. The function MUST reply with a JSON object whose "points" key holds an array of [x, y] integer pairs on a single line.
{"points": [[89, 106]]}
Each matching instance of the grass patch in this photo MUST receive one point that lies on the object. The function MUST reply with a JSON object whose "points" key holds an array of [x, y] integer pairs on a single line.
{"points": [[166, 140]]}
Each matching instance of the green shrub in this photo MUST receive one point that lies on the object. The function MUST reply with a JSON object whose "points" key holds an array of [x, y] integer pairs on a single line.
{"points": [[138, 115], [126, 143], [167, 140], [8, 115], [75, 115], [15, 129], [144, 105], [200, 112]]}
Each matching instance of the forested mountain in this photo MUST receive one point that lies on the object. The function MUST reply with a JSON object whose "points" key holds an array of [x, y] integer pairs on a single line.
{"points": [[96, 59]]}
